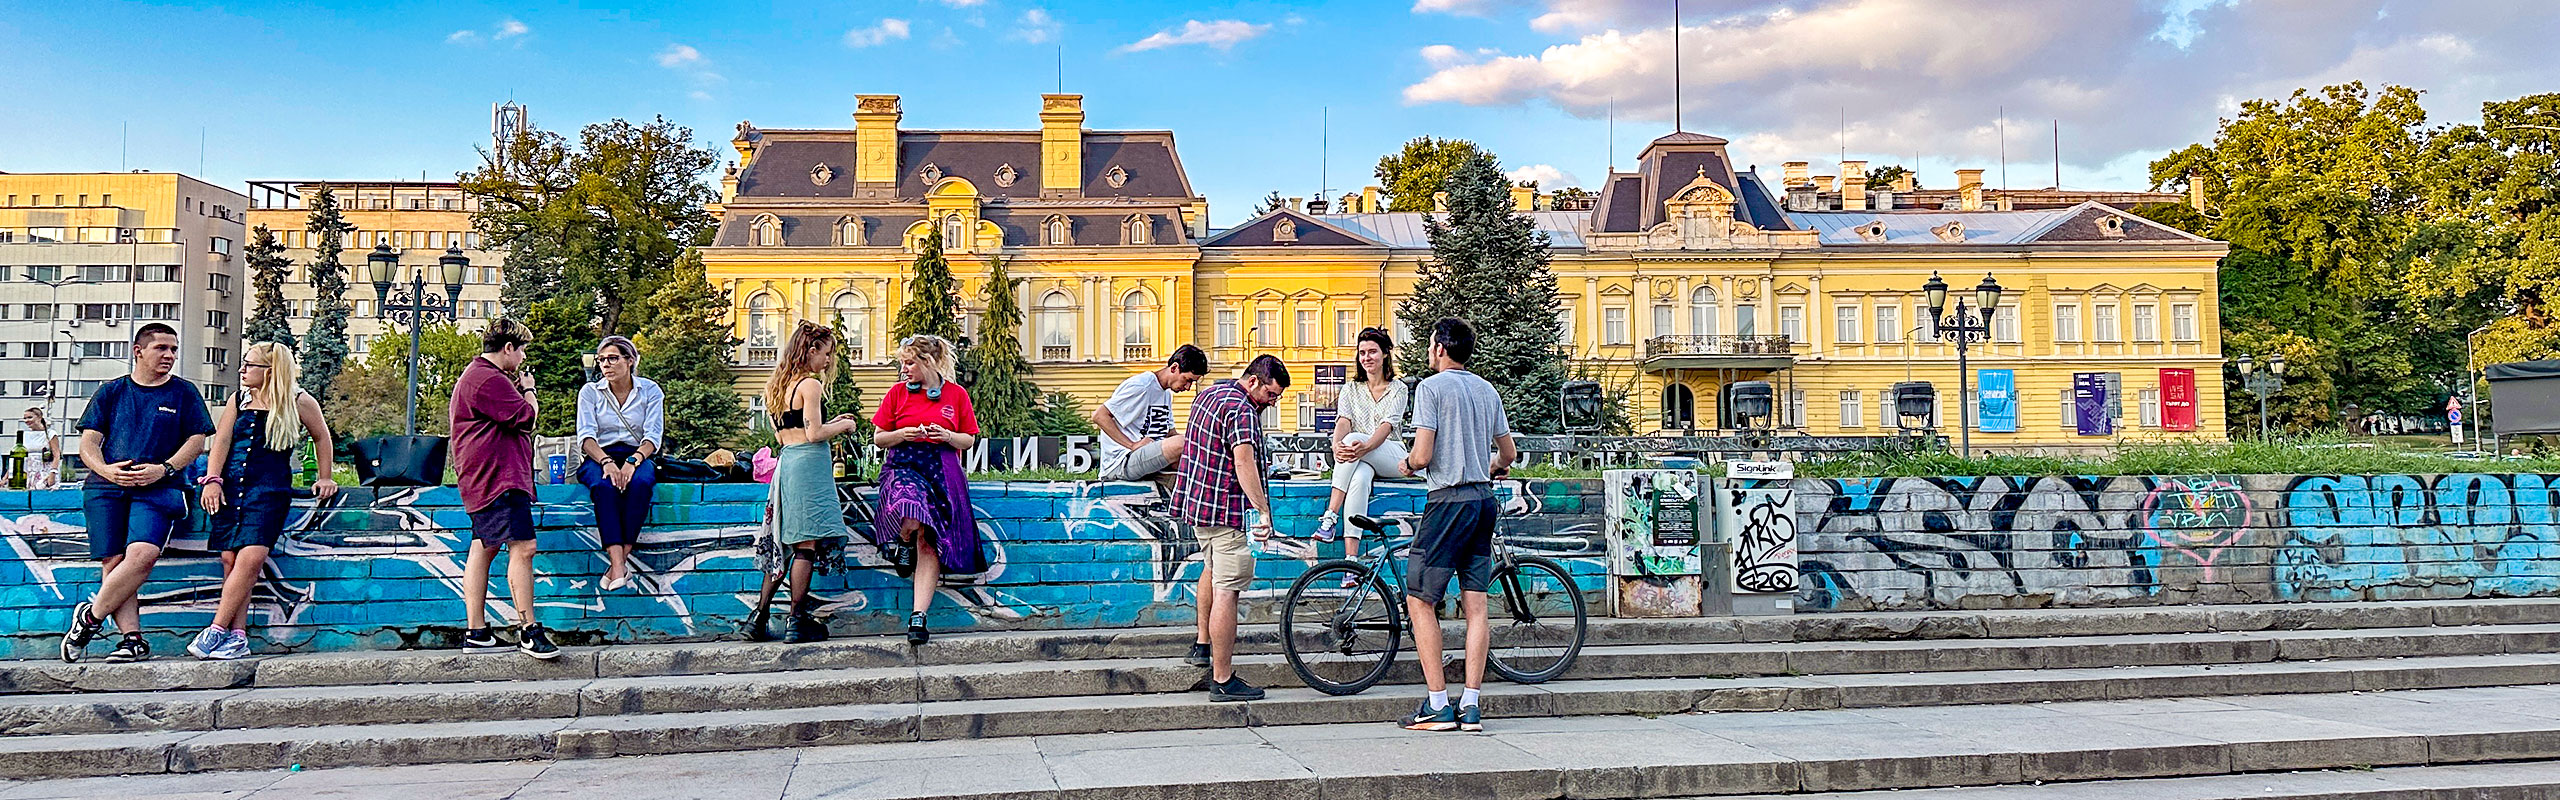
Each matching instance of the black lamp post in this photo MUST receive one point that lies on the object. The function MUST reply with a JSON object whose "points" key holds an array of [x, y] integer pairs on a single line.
{"points": [[2263, 382], [1964, 326], [413, 306]]}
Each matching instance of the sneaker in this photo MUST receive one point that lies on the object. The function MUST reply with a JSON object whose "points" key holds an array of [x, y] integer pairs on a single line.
{"points": [[1199, 656], [1233, 690], [235, 645], [479, 641], [1328, 530], [916, 633], [132, 649], [208, 641], [1426, 718], [83, 630], [1350, 581], [536, 642], [1470, 718]]}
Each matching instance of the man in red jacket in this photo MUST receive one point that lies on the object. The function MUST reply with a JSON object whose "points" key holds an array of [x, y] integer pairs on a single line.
{"points": [[493, 413]]}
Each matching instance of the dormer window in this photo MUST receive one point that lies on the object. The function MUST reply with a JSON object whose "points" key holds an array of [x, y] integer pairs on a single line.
{"points": [[767, 231], [1138, 229], [2111, 227], [953, 229], [849, 232], [1057, 231], [1873, 231], [1951, 233]]}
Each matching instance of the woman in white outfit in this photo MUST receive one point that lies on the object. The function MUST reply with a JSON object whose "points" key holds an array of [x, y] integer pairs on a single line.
{"points": [[1368, 433]]}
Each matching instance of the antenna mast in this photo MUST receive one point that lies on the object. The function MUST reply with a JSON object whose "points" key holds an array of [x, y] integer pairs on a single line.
{"points": [[1675, 67]]}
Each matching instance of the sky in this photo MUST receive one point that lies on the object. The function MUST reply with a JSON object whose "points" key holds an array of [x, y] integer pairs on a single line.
{"points": [[1262, 96]]}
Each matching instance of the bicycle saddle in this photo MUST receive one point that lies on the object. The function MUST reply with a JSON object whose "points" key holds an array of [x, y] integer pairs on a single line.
{"points": [[1369, 524]]}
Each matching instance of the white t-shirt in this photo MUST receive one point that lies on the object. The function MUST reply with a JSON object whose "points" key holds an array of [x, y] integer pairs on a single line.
{"points": [[1144, 409]]}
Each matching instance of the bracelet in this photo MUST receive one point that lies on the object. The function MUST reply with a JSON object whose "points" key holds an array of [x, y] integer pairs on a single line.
{"points": [[209, 480]]}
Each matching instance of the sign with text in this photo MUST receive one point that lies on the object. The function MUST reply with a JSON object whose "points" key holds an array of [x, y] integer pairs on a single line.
{"points": [[1760, 470], [2178, 399], [2089, 404], [1328, 394], [1999, 392]]}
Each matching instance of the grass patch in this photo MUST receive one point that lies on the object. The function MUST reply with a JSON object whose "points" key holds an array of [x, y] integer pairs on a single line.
{"points": [[2318, 455]]}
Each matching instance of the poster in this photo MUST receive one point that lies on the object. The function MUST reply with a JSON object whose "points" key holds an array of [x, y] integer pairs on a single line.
{"points": [[1328, 393], [2089, 404], [1999, 411], [2178, 399]]}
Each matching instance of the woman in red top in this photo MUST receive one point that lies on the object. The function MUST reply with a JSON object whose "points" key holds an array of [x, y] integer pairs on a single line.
{"points": [[925, 423]]}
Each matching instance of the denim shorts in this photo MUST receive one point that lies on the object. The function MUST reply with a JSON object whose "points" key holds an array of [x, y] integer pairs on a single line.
{"points": [[507, 520], [119, 517], [1456, 541], [250, 516]]}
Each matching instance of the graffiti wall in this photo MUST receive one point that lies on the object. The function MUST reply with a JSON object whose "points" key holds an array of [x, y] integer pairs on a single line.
{"points": [[1894, 543], [382, 569]]}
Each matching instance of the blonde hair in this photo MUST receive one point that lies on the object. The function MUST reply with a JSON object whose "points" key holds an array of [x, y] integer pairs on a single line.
{"points": [[281, 394], [804, 356], [935, 352]]}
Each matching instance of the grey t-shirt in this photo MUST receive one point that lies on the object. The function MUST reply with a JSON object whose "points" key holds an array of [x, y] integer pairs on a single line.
{"points": [[1464, 414]]}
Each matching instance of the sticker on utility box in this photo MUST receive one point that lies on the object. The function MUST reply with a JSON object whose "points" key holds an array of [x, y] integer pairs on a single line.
{"points": [[1760, 470]]}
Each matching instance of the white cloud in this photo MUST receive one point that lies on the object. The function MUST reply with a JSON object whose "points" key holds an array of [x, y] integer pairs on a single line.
{"points": [[678, 56], [964, 3], [462, 37], [1549, 176], [505, 29], [882, 32], [1036, 27], [696, 68], [1469, 8], [510, 29], [1221, 34]]}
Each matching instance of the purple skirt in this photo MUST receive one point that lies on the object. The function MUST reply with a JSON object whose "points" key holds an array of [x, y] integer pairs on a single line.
{"points": [[923, 482]]}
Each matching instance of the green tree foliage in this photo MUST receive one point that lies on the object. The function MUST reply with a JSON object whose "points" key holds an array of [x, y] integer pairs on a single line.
{"points": [[598, 221], [685, 348], [268, 270], [1573, 198], [324, 345], [372, 396], [1425, 167], [999, 377], [563, 334], [933, 297], [847, 395], [1489, 267], [1059, 415], [1882, 177], [1268, 205]]}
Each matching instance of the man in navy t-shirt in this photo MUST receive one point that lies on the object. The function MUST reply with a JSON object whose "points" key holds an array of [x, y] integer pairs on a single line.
{"points": [[137, 433]]}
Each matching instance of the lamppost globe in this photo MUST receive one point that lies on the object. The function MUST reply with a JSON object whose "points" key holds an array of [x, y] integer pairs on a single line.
{"points": [[1987, 295], [1936, 291], [383, 265], [2246, 365], [2275, 364], [453, 264]]}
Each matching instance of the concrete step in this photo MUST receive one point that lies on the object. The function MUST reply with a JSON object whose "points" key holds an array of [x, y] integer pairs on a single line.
{"points": [[265, 728], [958, 648], [2529, 780], [1595, 757]]}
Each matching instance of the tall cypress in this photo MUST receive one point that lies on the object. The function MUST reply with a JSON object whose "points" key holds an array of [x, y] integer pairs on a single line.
{"points": [[268, 269], [933, 298], [1489, 267], [1000, 377], [324, 346]]}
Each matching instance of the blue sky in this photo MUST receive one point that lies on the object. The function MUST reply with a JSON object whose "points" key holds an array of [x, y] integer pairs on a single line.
{"points": [[390, 90]]}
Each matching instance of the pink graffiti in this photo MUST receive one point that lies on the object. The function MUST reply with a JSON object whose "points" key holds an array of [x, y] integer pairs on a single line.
{"points": [[2200, 517]]}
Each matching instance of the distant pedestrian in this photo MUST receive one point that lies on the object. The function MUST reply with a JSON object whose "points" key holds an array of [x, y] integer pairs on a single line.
{"points": [[925, 423], [1461, 441], [493, 412], [807, 516], [622, 421], [1366, 442], [136, 432], [1137, 421], [1221, 478], [44, 448], [248, 483]]}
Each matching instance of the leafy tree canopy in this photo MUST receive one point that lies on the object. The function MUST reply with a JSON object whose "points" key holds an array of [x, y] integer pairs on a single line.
{"points": [[1424, 168], [596, 221]]}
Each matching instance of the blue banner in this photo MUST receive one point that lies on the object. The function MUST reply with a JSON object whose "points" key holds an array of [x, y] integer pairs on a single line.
{"points": [[1999, 411]]}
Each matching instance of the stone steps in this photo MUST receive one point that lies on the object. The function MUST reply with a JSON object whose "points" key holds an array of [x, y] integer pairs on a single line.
{"points": [[2529, 780]]}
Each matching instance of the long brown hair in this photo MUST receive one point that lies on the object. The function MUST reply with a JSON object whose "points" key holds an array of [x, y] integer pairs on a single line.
{"points": [[806, 355]]}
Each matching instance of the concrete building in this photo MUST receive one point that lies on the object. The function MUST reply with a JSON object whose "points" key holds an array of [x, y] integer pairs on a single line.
{"points": [[418, 219], [85, 257]]}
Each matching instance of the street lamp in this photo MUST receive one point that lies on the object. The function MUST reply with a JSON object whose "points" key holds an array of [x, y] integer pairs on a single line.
{"points": [[2471, 388], [413, 306], [2262, 382], [1964, 326]]}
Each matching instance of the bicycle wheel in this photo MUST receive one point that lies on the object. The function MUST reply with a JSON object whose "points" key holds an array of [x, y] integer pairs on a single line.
{"points": [[1340, 640], [1538, 620]]}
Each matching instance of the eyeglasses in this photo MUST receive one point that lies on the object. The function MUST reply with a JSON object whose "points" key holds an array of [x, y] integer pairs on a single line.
{"points": [[611, 358], [248, 364]]}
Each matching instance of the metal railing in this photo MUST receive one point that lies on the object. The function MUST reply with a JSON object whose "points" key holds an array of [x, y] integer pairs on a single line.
{"points": [[1718, 345]]}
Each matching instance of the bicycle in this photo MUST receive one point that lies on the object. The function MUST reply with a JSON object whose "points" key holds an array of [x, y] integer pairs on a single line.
{"points": [[1344, 619]]}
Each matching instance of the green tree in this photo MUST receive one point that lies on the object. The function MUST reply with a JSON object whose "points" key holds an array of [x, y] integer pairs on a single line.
{"points": [[564, 333], [598, 222], [268, 270], [1573, 198], [846, 395], [324, 345], [999, 377], [1268, 205], [1882, 177], [1489, 267], [686, 349], [1061, 415], [1425, 167], [371, 397], [933, 297]]}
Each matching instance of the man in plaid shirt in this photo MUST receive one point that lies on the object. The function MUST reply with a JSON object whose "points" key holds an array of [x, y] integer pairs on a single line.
{"points": [[1221, 476]]}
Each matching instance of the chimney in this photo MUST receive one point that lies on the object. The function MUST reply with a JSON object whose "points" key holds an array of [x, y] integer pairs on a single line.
{"points": [[875, 138], [1062, 145], [1853, 186], [1369, 200], [1796, 172], [1524, 198], [1969, 189], [1298, 204], [1318, 205], [1802, 198], [2195, 192], [1905, 183]]}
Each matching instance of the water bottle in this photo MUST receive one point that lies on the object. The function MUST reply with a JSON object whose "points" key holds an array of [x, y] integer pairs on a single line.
{"points": [[559, 468]]}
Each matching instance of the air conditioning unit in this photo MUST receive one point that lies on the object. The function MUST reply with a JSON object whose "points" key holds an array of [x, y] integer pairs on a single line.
{"points": [[73, 322]]}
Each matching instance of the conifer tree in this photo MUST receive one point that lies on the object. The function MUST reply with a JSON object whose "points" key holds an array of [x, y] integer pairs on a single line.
{"points": [[324, 346], [685, 348], [1489, 267], [933, 298], [999, 376], [268, 269]]}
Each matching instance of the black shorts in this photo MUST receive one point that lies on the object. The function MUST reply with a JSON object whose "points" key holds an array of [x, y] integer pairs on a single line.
{"points": [[250, 516], [1456, 542], [507, 520]]}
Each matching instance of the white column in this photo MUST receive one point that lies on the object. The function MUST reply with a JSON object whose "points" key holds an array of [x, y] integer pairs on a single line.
{"points": [[1686, 315], [1643, 310], [1813, 321], [1589, 318]]}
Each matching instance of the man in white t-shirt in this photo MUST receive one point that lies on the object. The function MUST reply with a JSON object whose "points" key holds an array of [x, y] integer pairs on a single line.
{"points": [[1137, 422]]}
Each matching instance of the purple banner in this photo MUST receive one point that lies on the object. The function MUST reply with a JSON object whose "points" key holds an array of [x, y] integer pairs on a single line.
{"points": [[2089, 404]]}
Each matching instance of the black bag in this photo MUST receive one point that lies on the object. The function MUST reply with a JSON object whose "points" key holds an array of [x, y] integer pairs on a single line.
{"points": [[687, 470], [400, 461]]}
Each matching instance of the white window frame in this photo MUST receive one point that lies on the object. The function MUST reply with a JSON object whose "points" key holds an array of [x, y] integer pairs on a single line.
{"points": [[2146, 315], [1308, 334], [1846, 324], [1266, 327], [1852, 409], [2182, 323], [1791, 323], [2066, 322], [1706, 312], [1230, 327], [2110, 322], [1888, 323], [1665, 319], [2005, 325], [1346, 327], [2150, 408], [1613, 325]]}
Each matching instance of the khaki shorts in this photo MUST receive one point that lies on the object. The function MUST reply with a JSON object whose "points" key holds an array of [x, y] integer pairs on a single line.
{"points": [[1226, 556]]}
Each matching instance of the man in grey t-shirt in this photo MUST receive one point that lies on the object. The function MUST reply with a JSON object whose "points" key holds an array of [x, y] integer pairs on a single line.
{"points": [[1461, 440]]}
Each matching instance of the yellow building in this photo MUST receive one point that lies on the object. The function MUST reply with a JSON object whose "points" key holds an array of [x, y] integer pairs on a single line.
{"points": [[1687, 275]]}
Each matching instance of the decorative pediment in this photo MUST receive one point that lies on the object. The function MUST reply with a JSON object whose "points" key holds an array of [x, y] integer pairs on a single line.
{"points": [[2105, 288], [1792, 288]]}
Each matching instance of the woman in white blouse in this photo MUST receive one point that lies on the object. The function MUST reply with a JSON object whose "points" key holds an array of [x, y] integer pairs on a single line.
{"points": [[1367, 435], [622, 421]]}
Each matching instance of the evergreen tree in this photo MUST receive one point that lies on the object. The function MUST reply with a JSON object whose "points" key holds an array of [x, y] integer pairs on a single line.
{"points": [[268, 269], [1489, 267], [999, 378], [933, 298], [686, 349], [564, 331], [324, 346], [1268, 205], [1061, 415]]}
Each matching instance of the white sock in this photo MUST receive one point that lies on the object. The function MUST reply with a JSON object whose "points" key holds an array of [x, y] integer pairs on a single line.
{"points": [[1439, 700], [1468, 697]]}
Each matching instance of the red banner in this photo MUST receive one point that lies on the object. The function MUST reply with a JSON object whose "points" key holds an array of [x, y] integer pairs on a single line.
{"points": [[2178, 399]]}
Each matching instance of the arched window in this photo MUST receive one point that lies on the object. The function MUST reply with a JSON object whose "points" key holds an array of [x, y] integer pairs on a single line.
{"points": [[1057, 326], [954, 233], [1679, 408], [764, 320], [1137, 326], [1704, 312], [853, 313], [1139, 229], [849, 232], [768, 231], [1057, 228]]}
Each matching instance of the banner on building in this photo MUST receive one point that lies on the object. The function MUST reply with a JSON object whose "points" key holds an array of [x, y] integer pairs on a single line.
{"points": [[1999, 392], [2178, 399], [2089, 404], [1330, 379]]}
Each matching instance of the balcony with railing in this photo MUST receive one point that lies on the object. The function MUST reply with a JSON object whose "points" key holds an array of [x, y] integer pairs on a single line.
{"points": [[1057, 352], [1771, 351], [1137, 351]]}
